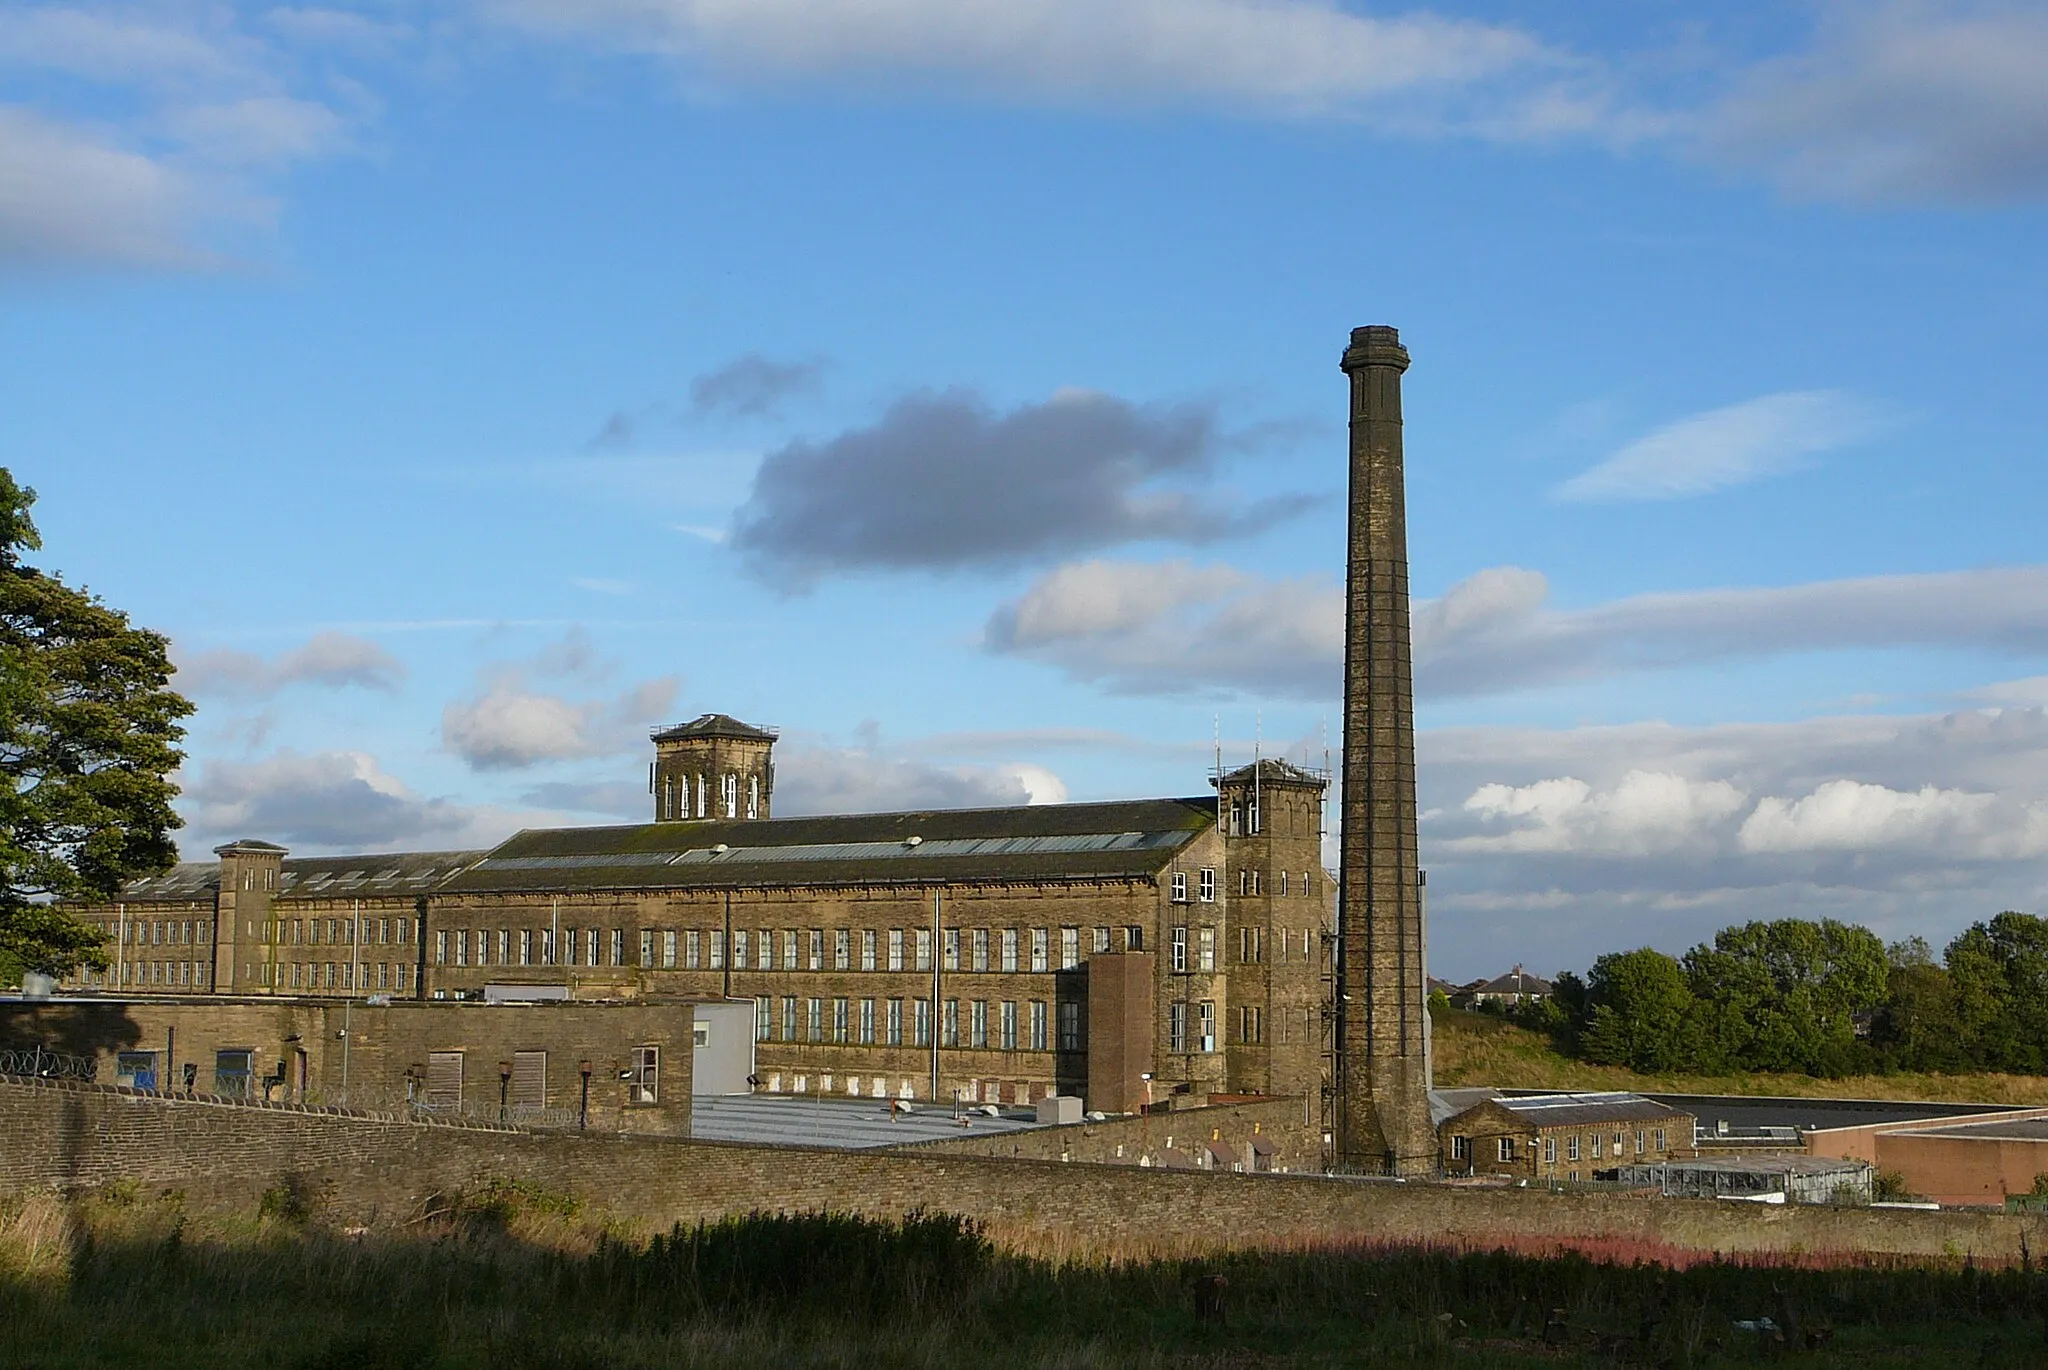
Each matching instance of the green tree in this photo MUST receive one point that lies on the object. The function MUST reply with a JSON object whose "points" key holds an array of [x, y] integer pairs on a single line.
{"points": [[1917, 1027], [89, 733], [1639, 1012], [1998, 972], [1786, 995]]}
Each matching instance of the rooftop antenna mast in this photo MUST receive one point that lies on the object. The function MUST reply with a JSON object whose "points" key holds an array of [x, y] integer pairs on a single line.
{"points": [[1216, 722]]}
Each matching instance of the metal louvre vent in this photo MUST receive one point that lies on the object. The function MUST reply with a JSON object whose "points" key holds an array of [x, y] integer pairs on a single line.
{"points": [[444, 1079], [529, 1079]]}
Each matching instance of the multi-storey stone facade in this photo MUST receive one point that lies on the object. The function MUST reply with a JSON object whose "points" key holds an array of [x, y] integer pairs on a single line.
{"points": [[940, 954]]}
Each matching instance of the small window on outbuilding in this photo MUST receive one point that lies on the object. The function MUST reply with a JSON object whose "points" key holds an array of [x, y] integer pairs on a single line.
{"points": [[643, 1078]]}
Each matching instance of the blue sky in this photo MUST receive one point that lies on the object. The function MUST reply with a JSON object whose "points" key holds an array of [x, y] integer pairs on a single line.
{"points": [[466, 388]]}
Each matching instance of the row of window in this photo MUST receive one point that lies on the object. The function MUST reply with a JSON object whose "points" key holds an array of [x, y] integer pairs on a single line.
{"points": [[1001, 1025], [1249, 882], [523, 1081], [190, 974], [689, 796], [1008, 950], [341, 931], [159, 931], [340, 975], [1591, 1146]]}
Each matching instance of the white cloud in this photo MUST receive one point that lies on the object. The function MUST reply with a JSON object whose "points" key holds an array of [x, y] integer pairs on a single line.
{"points": [[1850, 815], [1900, 101], [1645, 813], [1174, 627], [1913, 824], [1284, 56], [818, 779], [510, 726], [328, 658], [1729, 446]]}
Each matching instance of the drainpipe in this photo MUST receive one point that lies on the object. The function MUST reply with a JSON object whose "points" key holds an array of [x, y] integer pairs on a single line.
{"points": [[938, 965]]}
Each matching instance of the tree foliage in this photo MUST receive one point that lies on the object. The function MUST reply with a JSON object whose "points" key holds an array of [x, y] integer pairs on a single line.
{"points": [[89, 733], [1820, 998], [1639, 1012]]}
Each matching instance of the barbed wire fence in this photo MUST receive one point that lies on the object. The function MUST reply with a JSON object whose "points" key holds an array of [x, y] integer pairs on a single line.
{"points": [[42, 1063]]}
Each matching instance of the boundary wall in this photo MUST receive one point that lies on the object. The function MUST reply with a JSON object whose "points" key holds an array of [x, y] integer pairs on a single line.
{"points": [[360, 1170]]}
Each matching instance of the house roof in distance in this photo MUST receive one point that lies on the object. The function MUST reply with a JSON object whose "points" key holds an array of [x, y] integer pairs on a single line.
{"points": [[1121, 839], [713, 725], [1516, 981]]}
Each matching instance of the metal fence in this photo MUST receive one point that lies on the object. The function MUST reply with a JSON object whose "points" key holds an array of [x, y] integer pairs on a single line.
{"points": [[512, 1115], [49, 1065]]}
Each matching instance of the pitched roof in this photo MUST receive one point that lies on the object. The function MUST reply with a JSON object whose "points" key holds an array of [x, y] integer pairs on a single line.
{"points": [[1516, 981], [713, 725], [1126, 838], [1572, 1110], [311, 877]]}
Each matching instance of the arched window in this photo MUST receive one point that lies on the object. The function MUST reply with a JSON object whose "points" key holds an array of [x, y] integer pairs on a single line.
{"points": [[753, 796]]}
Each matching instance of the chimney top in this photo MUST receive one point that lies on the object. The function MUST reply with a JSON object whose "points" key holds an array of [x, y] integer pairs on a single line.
{"points": [[1375, 345]]}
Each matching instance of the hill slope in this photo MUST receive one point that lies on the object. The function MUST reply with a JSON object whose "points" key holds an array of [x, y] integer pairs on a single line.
{"points": [[1479, 1049]]}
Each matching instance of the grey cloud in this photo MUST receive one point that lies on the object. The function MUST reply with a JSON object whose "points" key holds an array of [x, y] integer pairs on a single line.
{"points": [[1161, 628], [327, 800], [329, 658], [1900, 102], [944, 481], [752, 386]]}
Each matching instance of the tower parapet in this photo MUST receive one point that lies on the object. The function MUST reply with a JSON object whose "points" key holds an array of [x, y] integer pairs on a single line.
{"points": [[713, 766]]}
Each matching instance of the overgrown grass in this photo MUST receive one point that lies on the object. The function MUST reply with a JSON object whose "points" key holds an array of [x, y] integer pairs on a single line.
{"points": [[507, 1278], [1481, 1049]]}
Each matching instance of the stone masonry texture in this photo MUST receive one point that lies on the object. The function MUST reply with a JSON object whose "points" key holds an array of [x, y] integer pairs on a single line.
{"points": [[222, 1158], [1383, 1104]]}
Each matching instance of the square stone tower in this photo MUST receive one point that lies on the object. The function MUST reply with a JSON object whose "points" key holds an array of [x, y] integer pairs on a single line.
{"points": [[712, 767], [1382, 1085]]}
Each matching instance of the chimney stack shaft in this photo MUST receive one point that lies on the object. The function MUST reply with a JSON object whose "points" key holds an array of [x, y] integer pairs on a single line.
{"points": [[1382, 1047]]}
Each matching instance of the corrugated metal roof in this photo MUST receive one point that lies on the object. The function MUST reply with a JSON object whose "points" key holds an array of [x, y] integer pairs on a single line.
{"points": [[1571, 1110], [1027, 842], [384, 874]]}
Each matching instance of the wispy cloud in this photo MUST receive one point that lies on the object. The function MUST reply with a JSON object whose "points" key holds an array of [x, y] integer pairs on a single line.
{"points": [[1899, 101], [1285, 56], [329, 658], [1730, 446]]}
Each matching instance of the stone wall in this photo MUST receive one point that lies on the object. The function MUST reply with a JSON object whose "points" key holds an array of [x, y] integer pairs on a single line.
{"points": [[222, 1158], [1277, 1135], [375, 1057]]}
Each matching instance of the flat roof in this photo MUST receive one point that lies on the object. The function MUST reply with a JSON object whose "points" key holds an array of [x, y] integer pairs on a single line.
{"points": [[1998, 1130], [1757, 1165], [841, 1124], [1568, 1110]]}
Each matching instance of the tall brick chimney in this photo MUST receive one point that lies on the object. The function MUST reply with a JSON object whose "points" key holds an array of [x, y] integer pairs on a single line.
{"points": [[1382, 1083]]}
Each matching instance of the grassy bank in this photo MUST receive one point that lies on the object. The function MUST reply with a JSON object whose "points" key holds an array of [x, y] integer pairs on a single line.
{"points": [[1480, 1049], [511, 1278]]}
